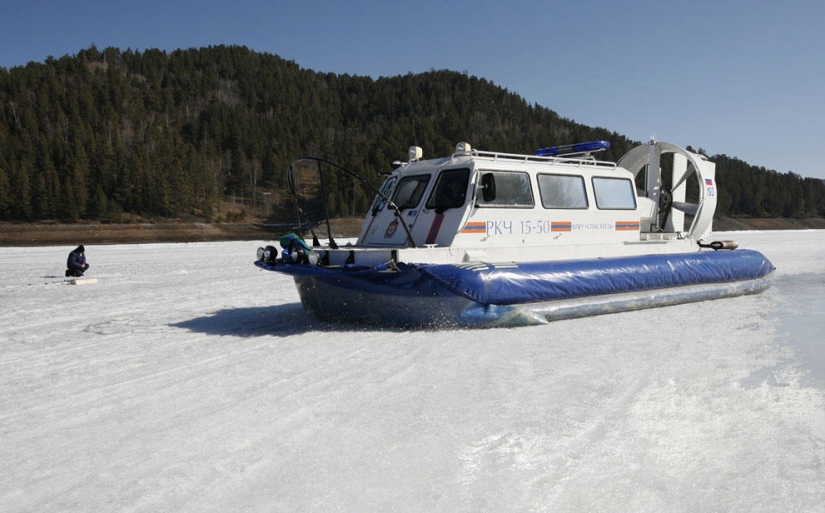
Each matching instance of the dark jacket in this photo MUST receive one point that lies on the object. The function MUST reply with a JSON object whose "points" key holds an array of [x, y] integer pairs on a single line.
{"points": [[76, 259]]}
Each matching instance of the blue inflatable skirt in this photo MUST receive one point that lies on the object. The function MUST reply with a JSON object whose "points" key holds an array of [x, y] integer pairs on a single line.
{"points": [[488, 295]]}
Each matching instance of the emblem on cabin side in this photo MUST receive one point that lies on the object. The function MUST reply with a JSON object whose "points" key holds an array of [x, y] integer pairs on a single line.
{"points": [[391, 229]]}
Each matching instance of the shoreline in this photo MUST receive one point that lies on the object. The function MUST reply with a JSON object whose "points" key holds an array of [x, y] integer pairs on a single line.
{"points": [[57, 234]]}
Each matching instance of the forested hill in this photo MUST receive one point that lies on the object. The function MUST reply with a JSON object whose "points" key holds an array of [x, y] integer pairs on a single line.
{"points": [[112, 134]]}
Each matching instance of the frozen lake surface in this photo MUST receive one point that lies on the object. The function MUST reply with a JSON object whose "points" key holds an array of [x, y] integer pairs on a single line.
{"points": [[188, 380]]}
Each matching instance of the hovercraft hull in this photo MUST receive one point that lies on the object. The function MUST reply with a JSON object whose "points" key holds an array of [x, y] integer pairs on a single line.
{"points": [[487, 295]]}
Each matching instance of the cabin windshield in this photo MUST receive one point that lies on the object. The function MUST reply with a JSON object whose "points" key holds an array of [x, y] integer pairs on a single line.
{"points": [[450, 191], [410, 190]]}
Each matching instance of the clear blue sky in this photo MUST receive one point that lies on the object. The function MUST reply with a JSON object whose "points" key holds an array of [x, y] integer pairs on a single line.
{"points": [[744, 78]]}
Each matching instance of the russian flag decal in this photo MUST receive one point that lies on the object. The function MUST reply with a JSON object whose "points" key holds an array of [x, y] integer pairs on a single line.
{"points": [[708, 181]]}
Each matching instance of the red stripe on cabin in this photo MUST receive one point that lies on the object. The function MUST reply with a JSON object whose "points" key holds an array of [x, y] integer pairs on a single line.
{"points": [[439, 218]]}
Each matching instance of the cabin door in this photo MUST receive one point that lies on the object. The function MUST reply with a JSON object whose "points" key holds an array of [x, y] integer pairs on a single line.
{"points": [[439, 219]]}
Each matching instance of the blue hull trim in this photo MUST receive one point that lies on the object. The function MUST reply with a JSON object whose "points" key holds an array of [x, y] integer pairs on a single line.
{"points": [[485, 295]]}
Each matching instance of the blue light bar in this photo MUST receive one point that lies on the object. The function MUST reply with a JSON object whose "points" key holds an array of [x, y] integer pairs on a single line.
{"points": [[573, 149]]}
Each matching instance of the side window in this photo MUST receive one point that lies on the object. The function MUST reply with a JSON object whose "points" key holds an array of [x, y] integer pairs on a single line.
{"points": [[510, 189], [379, 202], [410, 190], [614, 193], [450, 191], [562, 191]]}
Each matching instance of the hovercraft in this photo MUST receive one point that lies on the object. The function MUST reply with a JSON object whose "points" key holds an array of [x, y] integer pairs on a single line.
{"points": [[483, 239]]}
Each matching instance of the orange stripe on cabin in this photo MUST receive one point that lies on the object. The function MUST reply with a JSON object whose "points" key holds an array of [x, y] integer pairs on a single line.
{"points": [[475, 227], [627, 226]]}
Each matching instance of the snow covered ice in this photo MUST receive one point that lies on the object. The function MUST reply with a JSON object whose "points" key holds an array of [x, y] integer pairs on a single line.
{"points": [[187, 379]]}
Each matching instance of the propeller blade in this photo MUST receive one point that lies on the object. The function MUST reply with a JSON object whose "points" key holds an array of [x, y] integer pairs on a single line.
{"points": [[685, 175], [687, 208]]}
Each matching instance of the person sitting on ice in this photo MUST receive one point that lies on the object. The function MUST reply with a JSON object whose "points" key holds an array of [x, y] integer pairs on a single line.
{"points": [[76, 262]]}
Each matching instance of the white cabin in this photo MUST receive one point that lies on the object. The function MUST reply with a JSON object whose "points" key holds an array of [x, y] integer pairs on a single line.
{"points": [[475, 206]]}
